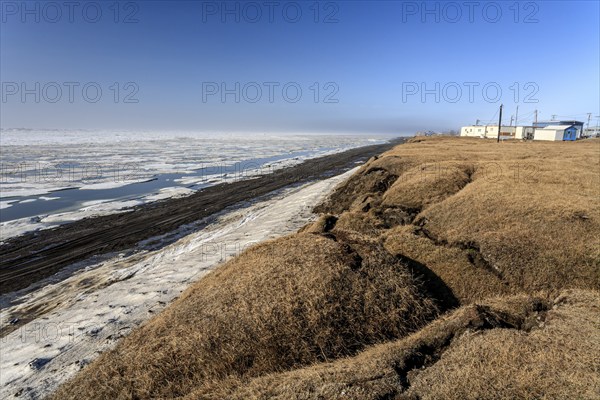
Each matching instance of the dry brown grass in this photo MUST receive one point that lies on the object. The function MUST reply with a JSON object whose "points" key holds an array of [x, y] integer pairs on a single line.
{"points": [[487, 218], [331, 312], [284, 304], [452, 265], [519, 347], [561, 360]]}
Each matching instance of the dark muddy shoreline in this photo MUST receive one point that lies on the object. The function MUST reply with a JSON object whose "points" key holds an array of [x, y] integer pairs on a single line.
{"points": [[34, 256]]}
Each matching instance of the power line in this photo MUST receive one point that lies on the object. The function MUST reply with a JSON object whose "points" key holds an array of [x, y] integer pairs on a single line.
{"points": [[525, 117], [491, 121]]}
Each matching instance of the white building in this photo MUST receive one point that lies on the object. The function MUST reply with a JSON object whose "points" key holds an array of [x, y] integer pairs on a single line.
{"points": [[556, 132], [524, 132], [593, 131], [491, 131], [473, 131]]}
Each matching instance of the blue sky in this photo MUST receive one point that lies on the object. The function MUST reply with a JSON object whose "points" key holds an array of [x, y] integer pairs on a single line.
{"points": [[361, 67]]}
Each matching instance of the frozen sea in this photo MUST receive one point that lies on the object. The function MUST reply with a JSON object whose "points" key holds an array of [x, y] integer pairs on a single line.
{"points": [[49, 177]]}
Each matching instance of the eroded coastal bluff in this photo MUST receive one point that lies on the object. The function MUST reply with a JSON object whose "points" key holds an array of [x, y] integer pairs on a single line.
{"points": [[442, 268]]}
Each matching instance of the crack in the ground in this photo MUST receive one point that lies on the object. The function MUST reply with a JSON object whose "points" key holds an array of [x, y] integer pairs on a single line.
{"points": [[393, 216], [433, 284], [427, 353], [473, 251]]}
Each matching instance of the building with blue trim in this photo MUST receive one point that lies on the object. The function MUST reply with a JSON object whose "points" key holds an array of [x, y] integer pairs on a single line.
{"points": [[557, 133], [577, 124]]}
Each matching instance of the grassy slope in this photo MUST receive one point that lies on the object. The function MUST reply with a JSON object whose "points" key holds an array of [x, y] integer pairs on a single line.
{"points": [[501, 231], [487, 218], [510, 348], [286, 303]]}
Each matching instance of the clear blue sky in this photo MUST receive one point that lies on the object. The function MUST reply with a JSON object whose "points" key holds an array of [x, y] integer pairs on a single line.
{"points": [[376, 57]]}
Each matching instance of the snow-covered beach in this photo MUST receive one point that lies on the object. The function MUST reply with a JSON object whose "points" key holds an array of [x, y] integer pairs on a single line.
{"points": [[78, 317]]}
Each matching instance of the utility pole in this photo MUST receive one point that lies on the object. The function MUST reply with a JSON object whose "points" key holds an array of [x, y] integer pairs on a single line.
{"points": [[535, 117], [553, 117], [589, 117], [517, 117], [499, 123], [512, 117], [477, 122]]}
